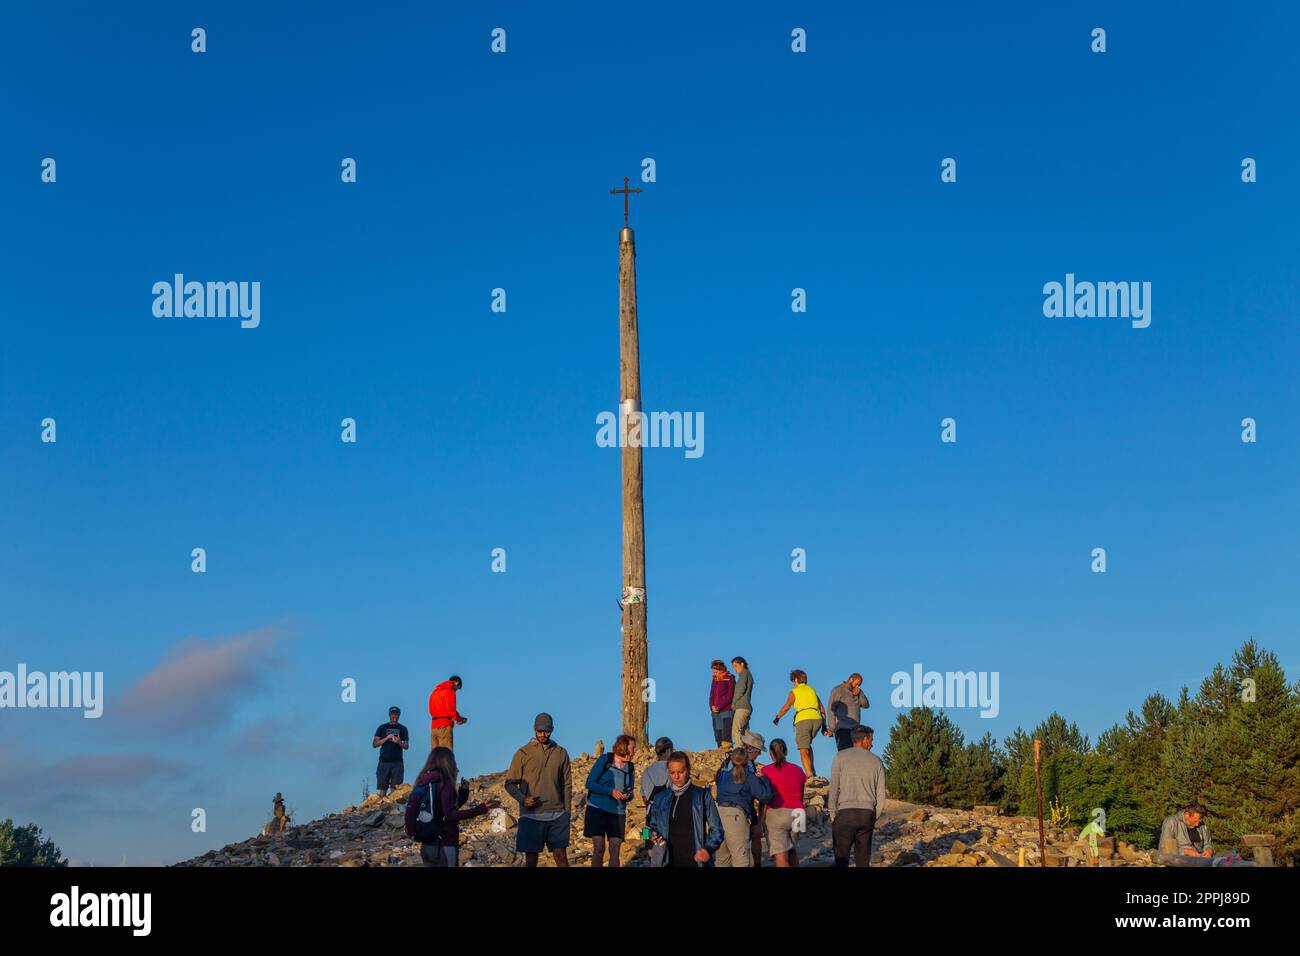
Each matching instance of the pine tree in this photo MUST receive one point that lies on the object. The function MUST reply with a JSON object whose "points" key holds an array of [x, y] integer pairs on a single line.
{"points": [[1251, 766], [1057, 735], [977, 774], [24, 846], [920, 754]]}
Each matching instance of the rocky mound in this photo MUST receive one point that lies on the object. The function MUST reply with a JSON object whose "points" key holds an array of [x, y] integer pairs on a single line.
{"points": [[372, 834]]}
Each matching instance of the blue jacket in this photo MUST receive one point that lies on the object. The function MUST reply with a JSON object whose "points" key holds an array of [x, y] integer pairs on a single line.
{"points": [[731, 794], [602, 781], [704, 813]]}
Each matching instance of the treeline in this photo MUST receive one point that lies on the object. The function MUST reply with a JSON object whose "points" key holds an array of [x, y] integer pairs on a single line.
{"points": [[1234, 745], [25, 846]]}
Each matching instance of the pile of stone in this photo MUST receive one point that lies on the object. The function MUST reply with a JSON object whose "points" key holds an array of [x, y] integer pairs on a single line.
{"points": [[926, 836], [372, 833]]}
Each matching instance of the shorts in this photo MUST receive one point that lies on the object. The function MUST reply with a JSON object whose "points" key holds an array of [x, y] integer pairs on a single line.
{"points": [[780, 833], [532, 834], [602, 823], [805, 731], [388, 774]]}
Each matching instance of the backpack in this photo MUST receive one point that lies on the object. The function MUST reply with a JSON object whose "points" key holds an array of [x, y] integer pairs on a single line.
{"points": [[429, 819]]}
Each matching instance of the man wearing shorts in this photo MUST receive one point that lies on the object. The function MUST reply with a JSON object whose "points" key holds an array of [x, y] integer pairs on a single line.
{"points": [[391, 739], [540, 779], [809, 718]]}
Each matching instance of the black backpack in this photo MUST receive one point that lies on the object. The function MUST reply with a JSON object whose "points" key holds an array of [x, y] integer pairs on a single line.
{"points": [[428, 820]]}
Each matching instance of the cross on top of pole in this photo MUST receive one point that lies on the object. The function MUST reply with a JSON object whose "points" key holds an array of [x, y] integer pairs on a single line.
{"points": [[625, 191]]}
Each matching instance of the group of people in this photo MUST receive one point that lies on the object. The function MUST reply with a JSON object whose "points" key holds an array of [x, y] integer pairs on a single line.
{"points": [[731, 703], [758, 791]]}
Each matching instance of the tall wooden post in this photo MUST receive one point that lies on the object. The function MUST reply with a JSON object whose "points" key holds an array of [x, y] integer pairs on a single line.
{"points": [[636, 707], [1038, 786]]}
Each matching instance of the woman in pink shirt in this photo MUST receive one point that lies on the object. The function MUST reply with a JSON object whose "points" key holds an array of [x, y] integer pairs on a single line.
{"points": [[787, 781]]}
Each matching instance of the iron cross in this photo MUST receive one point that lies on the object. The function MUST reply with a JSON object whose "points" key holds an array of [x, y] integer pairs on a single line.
{"points": [[625, 191]]}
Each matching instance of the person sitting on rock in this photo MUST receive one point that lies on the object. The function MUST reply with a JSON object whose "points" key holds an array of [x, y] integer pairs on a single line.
{"points": [[279, 818], [440, 772], [684, 819], [1185, 833]]}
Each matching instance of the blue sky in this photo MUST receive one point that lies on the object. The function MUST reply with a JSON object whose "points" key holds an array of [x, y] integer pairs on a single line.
{"points": [[477, 429]]}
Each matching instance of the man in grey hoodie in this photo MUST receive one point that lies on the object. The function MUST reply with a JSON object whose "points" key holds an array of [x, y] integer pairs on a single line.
{"points": [[540, 779], [857, 795]]}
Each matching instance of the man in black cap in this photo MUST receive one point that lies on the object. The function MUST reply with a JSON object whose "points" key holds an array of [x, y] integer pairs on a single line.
{"points": [[540, 779], [392, 739]]}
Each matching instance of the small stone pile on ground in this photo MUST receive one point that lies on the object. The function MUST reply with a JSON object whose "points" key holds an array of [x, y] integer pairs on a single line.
{"points": [[372, 832]]}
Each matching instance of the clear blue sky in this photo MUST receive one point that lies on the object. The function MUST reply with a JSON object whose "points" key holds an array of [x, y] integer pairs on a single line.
{"points": [[477, 430]]}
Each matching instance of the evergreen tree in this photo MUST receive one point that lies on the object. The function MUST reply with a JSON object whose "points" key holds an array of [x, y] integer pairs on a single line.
{"points": [[1239, 752], [1137, 748], [921, 750], [1057, 735], [977, 774], [23, 846]]}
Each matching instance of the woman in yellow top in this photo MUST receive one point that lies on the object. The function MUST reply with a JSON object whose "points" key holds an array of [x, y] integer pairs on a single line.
{"points": [[809, 718]]}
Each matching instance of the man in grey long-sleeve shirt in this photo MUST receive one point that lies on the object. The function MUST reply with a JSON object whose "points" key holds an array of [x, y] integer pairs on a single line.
{"points": [[741, 700], [857, 795], [844, 710], [1185, 834]]}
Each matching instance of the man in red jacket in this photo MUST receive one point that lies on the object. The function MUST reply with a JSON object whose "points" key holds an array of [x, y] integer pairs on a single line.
{"points": [[443, 714]]}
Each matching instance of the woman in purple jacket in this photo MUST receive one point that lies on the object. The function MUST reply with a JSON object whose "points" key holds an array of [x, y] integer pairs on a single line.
{"points": [[441, 771], [721, 692]]}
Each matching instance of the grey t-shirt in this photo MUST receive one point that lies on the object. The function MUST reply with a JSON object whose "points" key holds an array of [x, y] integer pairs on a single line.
{"points": [[655, 775]]}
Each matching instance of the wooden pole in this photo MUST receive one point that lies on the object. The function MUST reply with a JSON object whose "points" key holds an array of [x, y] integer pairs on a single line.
{"points": [[1038, 785], [636, 707]]}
